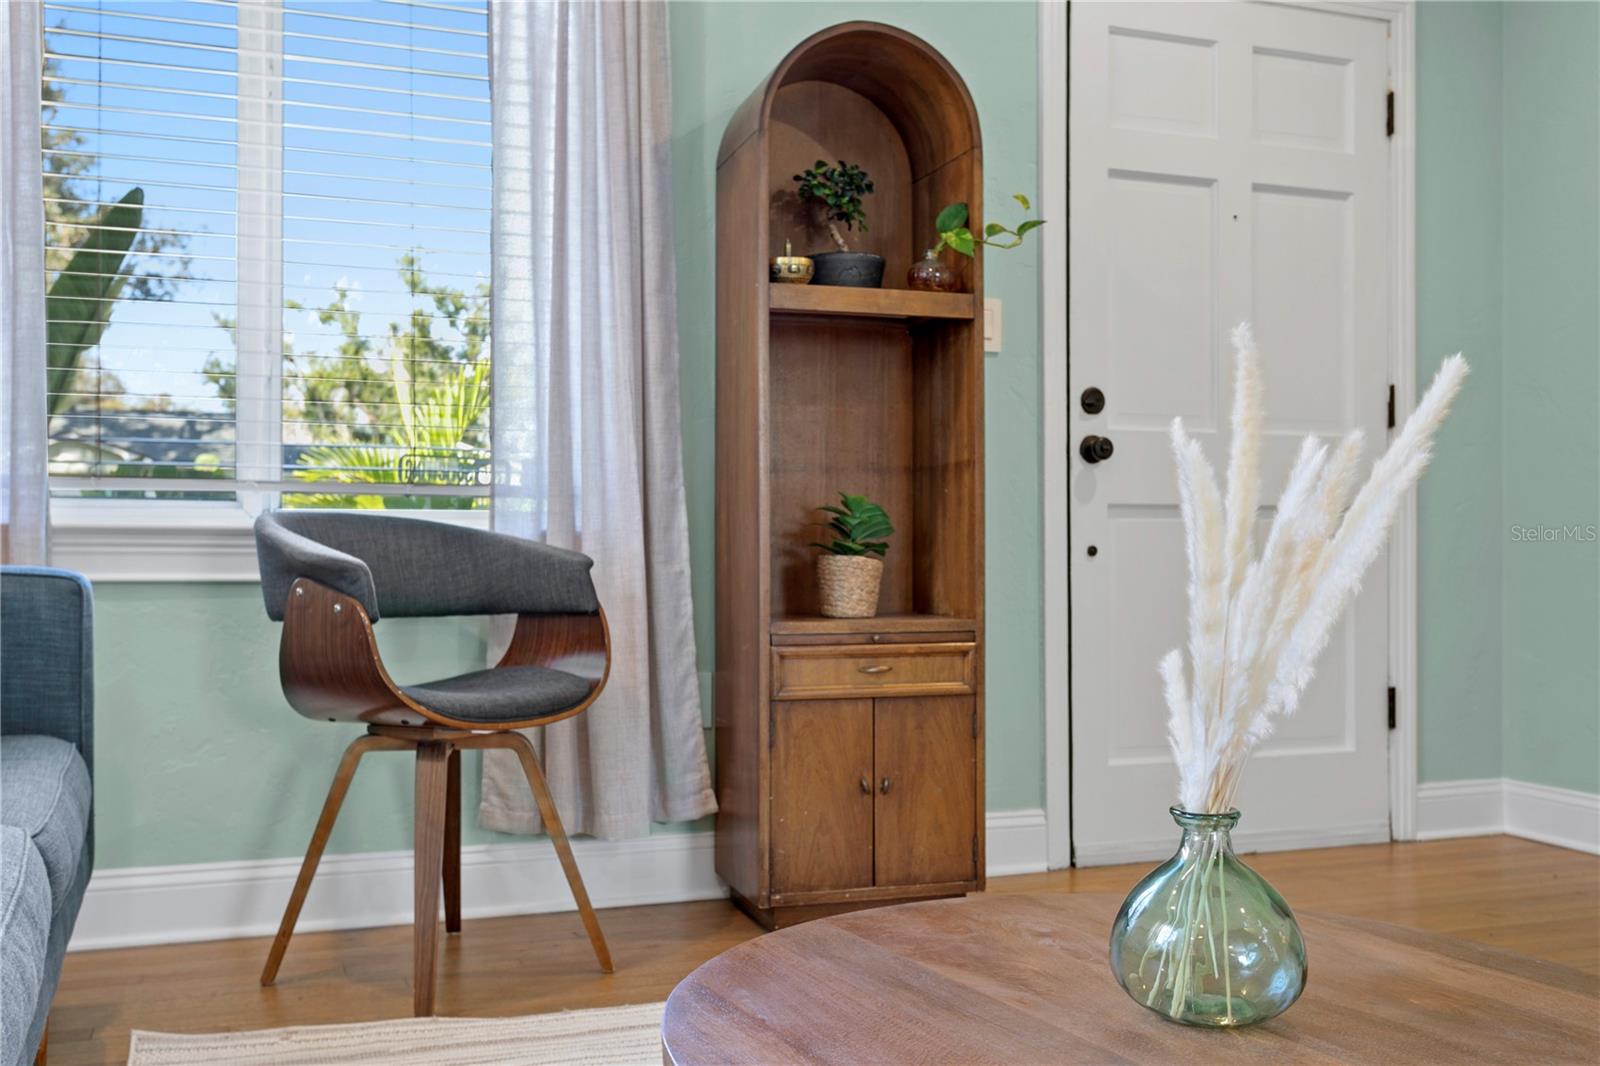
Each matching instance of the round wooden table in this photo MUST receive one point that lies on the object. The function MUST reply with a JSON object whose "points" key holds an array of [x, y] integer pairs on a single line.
{"points": [[1024, 979]]}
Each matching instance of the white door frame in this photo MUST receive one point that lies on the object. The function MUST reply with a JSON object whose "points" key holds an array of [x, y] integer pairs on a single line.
{"points": [[1053, 51]]}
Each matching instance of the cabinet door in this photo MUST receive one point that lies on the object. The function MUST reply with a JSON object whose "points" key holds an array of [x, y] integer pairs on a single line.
{"points": [[821, 795], [926, 778]]}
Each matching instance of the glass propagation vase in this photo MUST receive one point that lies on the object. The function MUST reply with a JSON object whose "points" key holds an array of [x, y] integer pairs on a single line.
{"points": [[931, 274], [1205, 940]]}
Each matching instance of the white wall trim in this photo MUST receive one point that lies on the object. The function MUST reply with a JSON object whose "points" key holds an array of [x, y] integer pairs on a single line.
{"points": [[1478, 807], [110, 540], [1403, 374], [1244, 842], [224, 900], [1053, 148], [1471, 807], [170, 540], [1053, 371], [1017, 843], [1564, 817]]}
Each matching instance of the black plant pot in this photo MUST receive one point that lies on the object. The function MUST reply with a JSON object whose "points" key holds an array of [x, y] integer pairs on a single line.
{"points": [[860, 269]]}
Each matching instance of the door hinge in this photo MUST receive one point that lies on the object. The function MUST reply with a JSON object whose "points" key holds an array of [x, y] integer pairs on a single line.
{"points": [[1392, 700], [1391, 406], [1388, 120]]}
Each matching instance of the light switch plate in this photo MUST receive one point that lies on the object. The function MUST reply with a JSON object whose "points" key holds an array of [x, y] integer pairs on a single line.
{"points": [[991, 324]]}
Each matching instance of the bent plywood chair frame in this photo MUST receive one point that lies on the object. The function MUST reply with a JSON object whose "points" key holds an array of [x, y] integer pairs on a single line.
{"points": [[331, 670]]}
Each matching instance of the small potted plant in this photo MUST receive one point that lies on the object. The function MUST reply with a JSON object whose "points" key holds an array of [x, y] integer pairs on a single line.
{"points": [[850, 569], [931, 275], [835, 193]]}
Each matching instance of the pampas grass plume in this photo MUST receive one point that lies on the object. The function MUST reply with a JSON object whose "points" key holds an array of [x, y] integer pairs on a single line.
{"points": [[1258, 625]]}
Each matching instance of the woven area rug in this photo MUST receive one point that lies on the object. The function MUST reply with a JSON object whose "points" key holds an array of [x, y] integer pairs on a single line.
{"points": [[605, 1036]]}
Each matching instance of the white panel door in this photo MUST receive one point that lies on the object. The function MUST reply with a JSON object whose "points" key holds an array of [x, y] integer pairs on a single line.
{"points": [[1228, 162]]}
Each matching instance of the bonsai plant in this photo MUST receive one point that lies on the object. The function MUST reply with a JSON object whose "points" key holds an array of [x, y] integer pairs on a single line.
{"points": [[953, 233], [835, 194], [850, 570]]}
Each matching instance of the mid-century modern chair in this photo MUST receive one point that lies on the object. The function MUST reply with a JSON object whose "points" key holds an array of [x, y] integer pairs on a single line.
{"points": [[328, 577]]}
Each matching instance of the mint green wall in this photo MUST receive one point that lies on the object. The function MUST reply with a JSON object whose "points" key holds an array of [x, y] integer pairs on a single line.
{"points": [[1552, 395], [720, 52], [1508, 269], [1459, 524], [198, 758]]}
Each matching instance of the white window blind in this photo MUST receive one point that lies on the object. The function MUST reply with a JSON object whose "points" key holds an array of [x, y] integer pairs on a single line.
{"points": [[268, 238]]}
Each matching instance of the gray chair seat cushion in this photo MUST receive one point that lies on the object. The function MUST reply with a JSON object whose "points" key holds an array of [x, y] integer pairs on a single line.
{"points": [[24, 938], [509, 694], [45, 792]]}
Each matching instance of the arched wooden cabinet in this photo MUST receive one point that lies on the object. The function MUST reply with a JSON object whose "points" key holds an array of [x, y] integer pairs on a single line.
{"points": [[849, 752]]}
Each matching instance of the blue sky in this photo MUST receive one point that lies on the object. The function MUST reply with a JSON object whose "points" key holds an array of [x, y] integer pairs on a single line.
{"points": [[359, 188]]}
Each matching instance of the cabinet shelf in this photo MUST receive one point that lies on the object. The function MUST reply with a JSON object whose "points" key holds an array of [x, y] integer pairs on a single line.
{"points": [[816, 625], [909, 304]]}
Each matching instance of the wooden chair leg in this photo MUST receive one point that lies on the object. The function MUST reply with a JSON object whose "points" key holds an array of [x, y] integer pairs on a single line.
{"points": [[319, 840], [452, 845], [558, 836], [433, 758]]}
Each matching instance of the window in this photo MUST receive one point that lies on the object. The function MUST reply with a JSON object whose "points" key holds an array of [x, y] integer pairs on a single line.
{"points": [[268, 251]]}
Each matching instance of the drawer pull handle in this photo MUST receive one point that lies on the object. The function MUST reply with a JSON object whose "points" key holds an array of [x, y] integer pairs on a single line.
{"points": [[876, 669], [866, 786], [884, 787]]}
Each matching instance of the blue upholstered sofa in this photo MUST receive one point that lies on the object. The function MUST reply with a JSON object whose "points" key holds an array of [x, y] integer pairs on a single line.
{"points": [[46, 755]]}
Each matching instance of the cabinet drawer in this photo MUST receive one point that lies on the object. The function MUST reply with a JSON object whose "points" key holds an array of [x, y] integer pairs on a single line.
{"points": [[823, 672]]}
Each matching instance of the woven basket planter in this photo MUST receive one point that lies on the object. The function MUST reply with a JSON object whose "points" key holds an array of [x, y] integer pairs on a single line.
{"points": [[849, 585]]}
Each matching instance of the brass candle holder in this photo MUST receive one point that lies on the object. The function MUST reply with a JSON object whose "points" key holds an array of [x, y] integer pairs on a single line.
{"points": [[792, 269]]}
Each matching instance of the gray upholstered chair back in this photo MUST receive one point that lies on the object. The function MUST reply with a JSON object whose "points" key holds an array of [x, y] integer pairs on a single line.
{"points": [[409, 567]]}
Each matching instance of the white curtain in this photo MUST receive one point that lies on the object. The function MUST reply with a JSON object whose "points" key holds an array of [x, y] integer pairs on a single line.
{"points": [[23, 494], [587, 442]]}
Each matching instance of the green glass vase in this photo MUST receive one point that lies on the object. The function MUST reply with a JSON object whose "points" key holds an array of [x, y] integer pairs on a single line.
{"points": [[1203, 939]]}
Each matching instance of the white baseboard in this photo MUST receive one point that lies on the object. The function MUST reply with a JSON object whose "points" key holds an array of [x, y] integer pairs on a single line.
{"points": [[1561, 816], [223, 900], [1471, 807], [1244, 842], [1017, 843]]}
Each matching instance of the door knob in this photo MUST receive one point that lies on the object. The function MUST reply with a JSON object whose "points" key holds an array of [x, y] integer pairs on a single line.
{"points": [[866, 786], [1095, 449], [883, 787]]}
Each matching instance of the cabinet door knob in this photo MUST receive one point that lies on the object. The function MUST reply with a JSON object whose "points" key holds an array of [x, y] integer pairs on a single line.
{"points": [[866, 786], [876, 669], [883, 786]]}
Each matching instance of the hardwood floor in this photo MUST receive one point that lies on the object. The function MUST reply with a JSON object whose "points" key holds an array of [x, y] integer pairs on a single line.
{"points": [[1512, 894]]}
